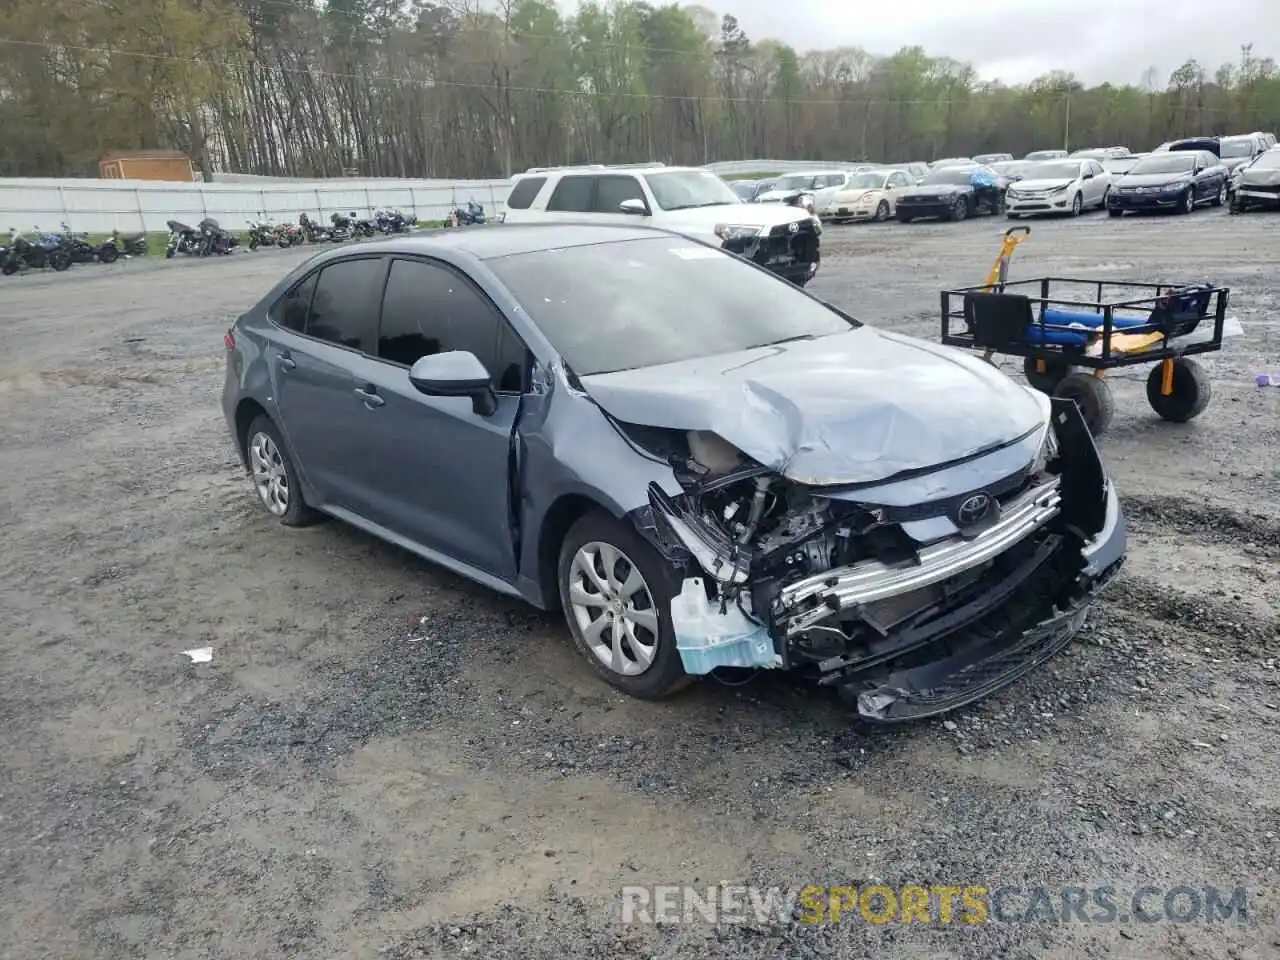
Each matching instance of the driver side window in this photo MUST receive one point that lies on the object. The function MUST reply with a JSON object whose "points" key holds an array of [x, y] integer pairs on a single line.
{"points": [[612, 190], [428, 308]]}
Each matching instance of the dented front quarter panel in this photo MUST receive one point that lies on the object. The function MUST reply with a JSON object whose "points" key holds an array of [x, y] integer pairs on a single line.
{"points": [[567, 447]]}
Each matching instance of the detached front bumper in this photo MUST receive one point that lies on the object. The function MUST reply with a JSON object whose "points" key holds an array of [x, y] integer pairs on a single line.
{"points": [[791, 250]]}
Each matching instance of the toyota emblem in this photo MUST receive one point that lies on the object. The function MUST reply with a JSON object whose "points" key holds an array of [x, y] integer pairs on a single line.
{"points": [[973, 510], [794, 227]]}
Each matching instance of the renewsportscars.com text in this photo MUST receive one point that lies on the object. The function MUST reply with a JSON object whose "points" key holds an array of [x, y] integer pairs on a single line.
{"points": [[969, 904]]}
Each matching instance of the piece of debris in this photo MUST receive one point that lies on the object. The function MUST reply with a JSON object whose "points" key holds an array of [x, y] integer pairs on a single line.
{"points": [[199, 655], [950, 725]]}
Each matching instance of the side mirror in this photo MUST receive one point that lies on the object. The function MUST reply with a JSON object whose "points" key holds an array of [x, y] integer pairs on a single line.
{"points": [[634, 206], [455, 373]]}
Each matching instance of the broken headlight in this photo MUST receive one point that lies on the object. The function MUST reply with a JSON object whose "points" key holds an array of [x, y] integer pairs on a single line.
{"points": [[1048, 451], [733, 231]]}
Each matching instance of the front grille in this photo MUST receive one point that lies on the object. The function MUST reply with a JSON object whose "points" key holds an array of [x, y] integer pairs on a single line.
{"points": [[783, 247]]}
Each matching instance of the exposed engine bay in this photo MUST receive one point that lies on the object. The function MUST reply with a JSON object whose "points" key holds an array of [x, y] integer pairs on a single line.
{"points": [[863, 590]]}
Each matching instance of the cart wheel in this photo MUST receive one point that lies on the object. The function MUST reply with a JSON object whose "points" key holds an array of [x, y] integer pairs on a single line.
{"points": [[1191, 391], [1092, 395], [1047, 380]]}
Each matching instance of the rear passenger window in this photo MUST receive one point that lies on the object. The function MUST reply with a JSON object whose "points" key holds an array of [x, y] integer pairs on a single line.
{"points": [[611, 191], [290, 310], [572, 194], [344, 309], [522, 194]]}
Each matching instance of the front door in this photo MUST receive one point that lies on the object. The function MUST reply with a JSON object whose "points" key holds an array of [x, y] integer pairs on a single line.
{"points": [[436, 471]]}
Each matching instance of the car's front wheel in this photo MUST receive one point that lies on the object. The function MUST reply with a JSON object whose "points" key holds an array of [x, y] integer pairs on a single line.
{"points": [[275, 478], [1077, 204], [882, 211], [1188, 201], [616, 592]]}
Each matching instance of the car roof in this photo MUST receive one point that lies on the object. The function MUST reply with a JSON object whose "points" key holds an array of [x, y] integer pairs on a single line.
{"points": [[488, 241]]}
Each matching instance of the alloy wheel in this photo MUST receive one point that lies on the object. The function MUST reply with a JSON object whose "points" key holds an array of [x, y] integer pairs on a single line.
{"points": [[613, 608], [270, 478]]}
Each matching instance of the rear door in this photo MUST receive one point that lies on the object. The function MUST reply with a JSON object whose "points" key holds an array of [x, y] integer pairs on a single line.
{"points": [[434, 471], [570, 200], [313, 370]]}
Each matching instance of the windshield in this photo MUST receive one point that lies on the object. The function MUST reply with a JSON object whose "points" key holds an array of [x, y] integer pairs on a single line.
{"points": [[868, 181], [1053, 171], [1013, 168], [1236, 148], [954, 175], [1120, 164], [684, 189], [1176, 162], [797, 181], [1044, 154], [639, 303], [743, 188]]}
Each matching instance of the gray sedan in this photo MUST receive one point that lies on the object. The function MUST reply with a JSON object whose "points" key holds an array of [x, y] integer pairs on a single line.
{"points": [[702, 465]]}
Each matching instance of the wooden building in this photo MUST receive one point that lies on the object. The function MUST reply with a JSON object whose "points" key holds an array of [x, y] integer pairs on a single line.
{"points": [[147, 165]]}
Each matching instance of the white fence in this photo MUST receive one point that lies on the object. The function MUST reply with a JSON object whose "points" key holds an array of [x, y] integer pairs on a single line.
{"points": [[100, 206]]}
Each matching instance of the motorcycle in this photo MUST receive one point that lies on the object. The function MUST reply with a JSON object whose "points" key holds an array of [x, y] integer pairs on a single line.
{"points": [[362, 227], [287, 235], [341, 229], [183, 239], [131, 244], [262, 234], [24, 255], [391, 221], [216, 240], [471, 214], [312, 231], [81, 250]]}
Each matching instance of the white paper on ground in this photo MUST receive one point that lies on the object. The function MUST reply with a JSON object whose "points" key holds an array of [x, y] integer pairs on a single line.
{"points": [[199, 655]]}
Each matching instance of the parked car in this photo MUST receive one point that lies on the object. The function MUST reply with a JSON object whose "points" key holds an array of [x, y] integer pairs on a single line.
{"points": [[987, 159], [951, 162], [917, 169], [1238, 150], [872, 195], [531, 408], [688, 200], [1059, 186], [1178, 180], [817, 185], [1268, 138], [1257, 184], [952, 193], [1045, 155]]}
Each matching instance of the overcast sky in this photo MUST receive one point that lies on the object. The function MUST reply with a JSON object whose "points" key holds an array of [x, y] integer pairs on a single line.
{"points": [[1017, 40]]}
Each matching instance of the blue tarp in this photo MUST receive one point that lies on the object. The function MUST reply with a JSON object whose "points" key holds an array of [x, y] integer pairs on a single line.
{"points": [[982, 178]]}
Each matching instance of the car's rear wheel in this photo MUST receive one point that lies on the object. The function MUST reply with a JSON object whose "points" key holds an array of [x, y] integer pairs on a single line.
{"points": [[275, 478], [1221, 198], [616, 593]]}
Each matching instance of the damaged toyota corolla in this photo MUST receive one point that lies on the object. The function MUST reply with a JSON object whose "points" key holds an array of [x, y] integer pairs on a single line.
{"points": [[703, 465]]}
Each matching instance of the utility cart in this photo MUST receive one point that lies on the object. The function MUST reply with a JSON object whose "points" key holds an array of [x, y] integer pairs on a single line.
{"points": [[1069, 339]]}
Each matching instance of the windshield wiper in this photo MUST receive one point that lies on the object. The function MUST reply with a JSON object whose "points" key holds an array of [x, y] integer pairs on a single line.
{"points": [[694, 206]]}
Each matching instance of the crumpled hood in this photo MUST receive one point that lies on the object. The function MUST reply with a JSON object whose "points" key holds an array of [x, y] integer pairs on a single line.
{"points": [[705, 219], [855, 407], [1260, 177]]}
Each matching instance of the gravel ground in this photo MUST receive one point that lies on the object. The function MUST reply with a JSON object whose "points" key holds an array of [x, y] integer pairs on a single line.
{"points": [[385, 761]]}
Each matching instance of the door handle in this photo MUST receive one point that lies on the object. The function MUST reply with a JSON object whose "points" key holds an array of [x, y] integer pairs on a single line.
{"points": [[369, 396], [286, 360]]}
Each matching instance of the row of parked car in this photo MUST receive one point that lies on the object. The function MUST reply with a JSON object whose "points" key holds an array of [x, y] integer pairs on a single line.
{"points": [[1180, 175]]}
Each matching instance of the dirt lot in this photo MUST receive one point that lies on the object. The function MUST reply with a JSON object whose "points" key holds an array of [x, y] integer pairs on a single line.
{"points": [[329, 787]]}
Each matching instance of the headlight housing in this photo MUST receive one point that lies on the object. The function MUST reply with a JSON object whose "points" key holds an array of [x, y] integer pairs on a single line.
{"points": [[1048, 450], [1178, 184], [737, 231]]}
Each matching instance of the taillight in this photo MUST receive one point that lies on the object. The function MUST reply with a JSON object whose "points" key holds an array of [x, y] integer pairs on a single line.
{"points": [[229, 340]]}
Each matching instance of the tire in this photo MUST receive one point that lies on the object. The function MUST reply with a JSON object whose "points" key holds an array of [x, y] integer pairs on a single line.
{"points": [[1077, 204], [1192, 391], [10, 268], [1047, 381], [1115, 212], [1106, 198], [1092, 395], [168, 253], [107, 253], [271, 459], [1221, 198], [1188, 204], [959, 209], [654, 663], [59, 260], [882, 211], [253, 243]]}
